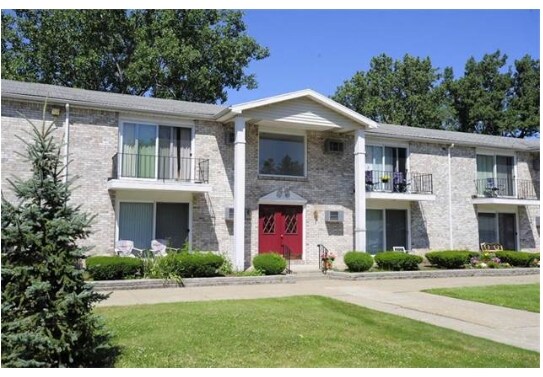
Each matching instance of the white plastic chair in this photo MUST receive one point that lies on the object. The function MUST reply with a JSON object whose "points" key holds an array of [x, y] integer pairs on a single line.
{"points": [[158, 247], [125, 248]]}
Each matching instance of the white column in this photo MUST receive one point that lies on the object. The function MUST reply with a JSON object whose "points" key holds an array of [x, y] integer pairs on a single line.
{"points": [[239, 194], [359, 190]]}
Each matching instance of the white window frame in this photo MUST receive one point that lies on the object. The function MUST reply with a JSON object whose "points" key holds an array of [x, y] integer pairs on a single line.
{"points": [[494, 154], [156, 123], [384, 145], [286, 132]]}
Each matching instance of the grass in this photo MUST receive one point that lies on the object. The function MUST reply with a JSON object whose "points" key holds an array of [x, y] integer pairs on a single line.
{"points": [[304, 331], [523, 297]]}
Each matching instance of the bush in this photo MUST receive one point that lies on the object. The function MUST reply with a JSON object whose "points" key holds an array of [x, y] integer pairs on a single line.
{"points": [[450, 259], [396, 261], [517, 258], [114, 268], [270, 263], [193, 265], [358, 261]]}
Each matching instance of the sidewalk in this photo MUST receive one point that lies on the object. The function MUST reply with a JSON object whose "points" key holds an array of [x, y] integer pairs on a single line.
{"points": [[401, 297]]}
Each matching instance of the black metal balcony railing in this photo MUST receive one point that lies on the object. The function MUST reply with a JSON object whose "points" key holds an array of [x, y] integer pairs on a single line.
{"points": [[388, 181], [506, 188], [165, 168]]}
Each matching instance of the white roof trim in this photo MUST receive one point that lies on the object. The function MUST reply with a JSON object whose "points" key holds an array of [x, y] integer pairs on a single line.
{"points": [[308, 93]]}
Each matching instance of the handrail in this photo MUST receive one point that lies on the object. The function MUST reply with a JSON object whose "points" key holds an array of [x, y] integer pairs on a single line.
{"points": [[323, 253], [506, 188], [398, 182], [287, 252]]}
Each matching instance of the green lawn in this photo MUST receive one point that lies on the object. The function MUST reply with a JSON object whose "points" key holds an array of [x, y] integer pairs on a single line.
{"points": [[524, 297], [308, 331]]}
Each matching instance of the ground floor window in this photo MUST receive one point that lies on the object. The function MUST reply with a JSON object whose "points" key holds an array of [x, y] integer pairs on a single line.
{"points": [[143, 222], [498, 228], [385, 228]]}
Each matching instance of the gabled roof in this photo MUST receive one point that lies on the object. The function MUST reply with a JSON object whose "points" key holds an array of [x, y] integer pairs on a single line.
{"points": [[234, 110], [448, 137], [105, 100]]}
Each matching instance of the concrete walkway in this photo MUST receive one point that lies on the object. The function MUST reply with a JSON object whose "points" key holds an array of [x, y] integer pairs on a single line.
{"points": [[401, 297]]}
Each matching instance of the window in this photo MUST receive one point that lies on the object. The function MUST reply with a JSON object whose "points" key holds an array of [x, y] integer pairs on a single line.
{"points": [[385, 229], [385, 167], [498, 227], [495, 175], [281, 155], [153, 151], [143, 222]]}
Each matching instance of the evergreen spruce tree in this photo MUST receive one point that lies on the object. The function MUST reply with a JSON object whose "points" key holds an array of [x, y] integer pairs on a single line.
{"points": [[47, 318]]}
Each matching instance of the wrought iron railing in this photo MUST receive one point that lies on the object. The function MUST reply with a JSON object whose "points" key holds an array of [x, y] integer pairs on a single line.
{"points": [[398, 182], [165, 168], [323, 257], [287, 254], [506, 188]]}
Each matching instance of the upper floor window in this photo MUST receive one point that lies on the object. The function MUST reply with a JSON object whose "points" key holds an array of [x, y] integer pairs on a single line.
{"points": [[495, 175], [281, 155], [154, 151]]}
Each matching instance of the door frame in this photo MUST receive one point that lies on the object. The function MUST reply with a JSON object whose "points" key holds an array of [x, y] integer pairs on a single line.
{"points": [[496, 210], [133, 197], [285, 203]]}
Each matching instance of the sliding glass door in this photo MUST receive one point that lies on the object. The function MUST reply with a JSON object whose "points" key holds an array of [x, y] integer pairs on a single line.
{"points": [[153, 151], [498, 228], [495, 175], [143, 222], [386, 228]]}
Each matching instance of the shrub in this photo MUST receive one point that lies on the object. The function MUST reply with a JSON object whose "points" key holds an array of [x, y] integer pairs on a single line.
{"points": [[517, 258], [185, 265], [270, 263], [358, 261], [114, 268], [450, 258], [396, 261]]}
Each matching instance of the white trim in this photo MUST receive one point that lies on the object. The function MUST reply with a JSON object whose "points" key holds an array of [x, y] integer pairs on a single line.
{"points": [[317, 97], [376, 195], [139, 184], [506, 201], [495, 152]]}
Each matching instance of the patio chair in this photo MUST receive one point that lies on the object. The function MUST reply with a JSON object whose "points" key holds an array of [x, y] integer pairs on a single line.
{"points": [[158, 247], [399, 182], [125, 248], [369, 180]]}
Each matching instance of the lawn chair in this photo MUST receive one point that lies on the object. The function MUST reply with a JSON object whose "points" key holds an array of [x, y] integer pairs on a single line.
{"points": [[158, 247], [399, 182], [125, 248], [369, 180]]}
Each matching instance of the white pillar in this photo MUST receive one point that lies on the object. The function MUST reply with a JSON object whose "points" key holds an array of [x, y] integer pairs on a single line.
{"points": [[239, 194], [359, 190]]}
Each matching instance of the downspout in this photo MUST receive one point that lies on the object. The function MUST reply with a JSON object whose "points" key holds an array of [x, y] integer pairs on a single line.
{"points": [[66, 142], [450, 197]]}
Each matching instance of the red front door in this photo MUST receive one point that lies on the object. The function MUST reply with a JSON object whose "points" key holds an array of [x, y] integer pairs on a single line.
{"points": [[278, 226]]}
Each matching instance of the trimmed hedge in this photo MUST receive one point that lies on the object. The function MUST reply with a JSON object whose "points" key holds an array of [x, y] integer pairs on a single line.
{"points": [[396, 261], [270, 263], [190, 265], [450, 259], [114, 268], [517, 258], [358, 261]]}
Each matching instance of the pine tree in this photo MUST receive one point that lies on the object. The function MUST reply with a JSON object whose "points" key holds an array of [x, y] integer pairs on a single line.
{"points": [[47, 307]]}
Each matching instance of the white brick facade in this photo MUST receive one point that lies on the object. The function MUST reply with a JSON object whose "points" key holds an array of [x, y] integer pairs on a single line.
{"points": [[329, 185]]}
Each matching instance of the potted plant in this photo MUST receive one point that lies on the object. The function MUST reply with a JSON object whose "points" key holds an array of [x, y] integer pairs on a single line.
{"points": [[327, 260], [385, 178]]}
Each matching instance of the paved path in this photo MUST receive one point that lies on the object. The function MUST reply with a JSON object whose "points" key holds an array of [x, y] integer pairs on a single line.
{"points": [[401, 297]]}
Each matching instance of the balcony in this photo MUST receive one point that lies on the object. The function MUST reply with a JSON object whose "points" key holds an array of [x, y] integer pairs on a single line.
{"points": [[505, 191], [151, 172], [398, 185]]}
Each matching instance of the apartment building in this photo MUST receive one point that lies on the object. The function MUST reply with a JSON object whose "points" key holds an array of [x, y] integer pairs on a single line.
{"points": [[285, 173]]}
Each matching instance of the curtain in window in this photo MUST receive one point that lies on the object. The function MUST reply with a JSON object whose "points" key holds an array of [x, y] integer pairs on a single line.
{"points": [[374, 231], [165, 166], [185, 162], [487, 227], [146, 151], [136, 223], [129, 151], [485, 174], [504, 171]]}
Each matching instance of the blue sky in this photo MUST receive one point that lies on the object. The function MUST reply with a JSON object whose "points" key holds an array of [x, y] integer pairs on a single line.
{"points": [[320, 49]]}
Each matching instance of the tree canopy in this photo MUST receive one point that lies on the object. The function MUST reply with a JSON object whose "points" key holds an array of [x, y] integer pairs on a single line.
{"points": [[487, 99], [192, 55]]}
